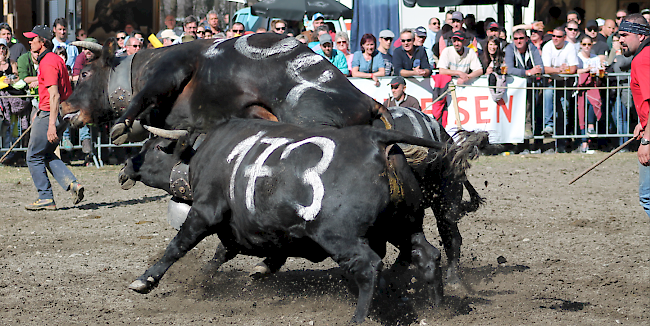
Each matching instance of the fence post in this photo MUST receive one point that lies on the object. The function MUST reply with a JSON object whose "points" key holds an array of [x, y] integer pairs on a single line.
{"points": [[452, 88]]}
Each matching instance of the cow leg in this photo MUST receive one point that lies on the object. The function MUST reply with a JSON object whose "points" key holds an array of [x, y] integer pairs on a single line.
{"points": [[475, 200], [268, 266], [195, 229], [363, 263], [452, 241], [221, 256], [427, 258]]}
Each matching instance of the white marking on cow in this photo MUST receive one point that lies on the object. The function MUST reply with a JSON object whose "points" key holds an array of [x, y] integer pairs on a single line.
{"points": [[295, 68], [213, 50], [240, 152], [283, 47], [398, 112], [312, 175], [258, 169]]}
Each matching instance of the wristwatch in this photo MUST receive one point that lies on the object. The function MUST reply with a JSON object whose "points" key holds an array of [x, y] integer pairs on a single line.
{"points": [[645, 141]]}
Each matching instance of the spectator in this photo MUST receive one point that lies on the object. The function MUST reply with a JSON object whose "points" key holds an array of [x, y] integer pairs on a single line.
{"points": [[440, 41], [238, 29], [168, 37], [16, 49], [559, 58], [492, 58], [120, 36], [81, 34], [588, 63], [320, 30], [129, 28], [449, 16], [572, 31], [646, 14], [260, 30], [368, 63], [60, 51], [133, 45], [170, 22], [492, 30], [420, 36], [59, 40], [230, 34], [190, 25], [503, 36], [524, 60], [88, 49], [279, 26], [432, 32], [317, 20], [140, 36], [385, 40], [200, 32], [302, 38], [410, 60], [620, 14], [573, 16], [54, 86], [599, 48], [208, 34], [606, 32], [460, 61], [334, 56], [213, 22], [342, 44], [10, 107], [399, 98]]}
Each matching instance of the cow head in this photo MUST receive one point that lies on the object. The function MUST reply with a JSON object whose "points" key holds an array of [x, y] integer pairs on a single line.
{"points": [[152, 165], [89, 101]]}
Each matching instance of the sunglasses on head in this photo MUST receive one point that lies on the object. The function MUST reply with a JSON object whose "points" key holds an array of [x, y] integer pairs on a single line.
{"points": [[407, 40]]}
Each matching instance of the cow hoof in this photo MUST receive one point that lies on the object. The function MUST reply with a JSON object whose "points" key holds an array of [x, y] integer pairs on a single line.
{"points": [[259, 271], [119, 133], [125, 182], [143, 287]]}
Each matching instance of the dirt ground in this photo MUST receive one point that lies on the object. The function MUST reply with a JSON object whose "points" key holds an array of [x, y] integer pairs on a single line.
{"points": [[576, 254]]}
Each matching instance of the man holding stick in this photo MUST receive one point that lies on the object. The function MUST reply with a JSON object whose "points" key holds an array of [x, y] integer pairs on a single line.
{"points": [[53, 87], [634, 33]]}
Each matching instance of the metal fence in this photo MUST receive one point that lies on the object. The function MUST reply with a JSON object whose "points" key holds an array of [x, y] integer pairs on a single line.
{"points": [[617, 118]]}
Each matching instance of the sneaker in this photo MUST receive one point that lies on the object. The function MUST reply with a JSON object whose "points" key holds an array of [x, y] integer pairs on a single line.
{"points": [[86, 146], [77, 192], [537, 151], [41, 204], [548, 130], [66, 144], [591, 132]]}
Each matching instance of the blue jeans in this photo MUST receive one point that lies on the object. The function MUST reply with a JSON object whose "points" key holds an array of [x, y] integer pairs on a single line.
{"points": [[644, 188], [84, 133], [620, 114], [7, 139], [40, 158], [548, 109]]}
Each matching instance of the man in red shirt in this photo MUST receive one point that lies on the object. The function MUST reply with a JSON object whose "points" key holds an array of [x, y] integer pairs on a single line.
{"points": [[53, 87], [634, 34]]}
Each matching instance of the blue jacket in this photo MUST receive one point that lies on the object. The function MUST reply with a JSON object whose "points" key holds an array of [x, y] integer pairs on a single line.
{"points": [[338, 60], [515, 67]]}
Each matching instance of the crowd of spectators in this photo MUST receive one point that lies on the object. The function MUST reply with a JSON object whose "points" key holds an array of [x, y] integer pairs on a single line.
{"points": [[459, 47]]}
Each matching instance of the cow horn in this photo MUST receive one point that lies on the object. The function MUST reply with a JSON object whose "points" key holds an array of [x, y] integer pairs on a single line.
{"points": [[164, 133], [92, 46]]}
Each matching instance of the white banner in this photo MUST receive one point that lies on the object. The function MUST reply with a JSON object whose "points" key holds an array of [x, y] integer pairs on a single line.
{"points": [[505, 122]]}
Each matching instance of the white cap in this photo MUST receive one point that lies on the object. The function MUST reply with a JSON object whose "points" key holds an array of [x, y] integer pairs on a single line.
{"points": [[170, 34]]}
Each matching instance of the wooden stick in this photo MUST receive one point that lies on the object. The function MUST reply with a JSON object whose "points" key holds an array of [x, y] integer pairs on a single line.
{"points": [[603, 160], [16, 143], [455, 103]]}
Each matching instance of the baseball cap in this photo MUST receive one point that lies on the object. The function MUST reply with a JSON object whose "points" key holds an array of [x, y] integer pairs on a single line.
{"points": [[645, 11], [386, 34], [459, 35], [494, 25], [325, 38], [39, 30], [420, 31], [397, 80], [170, 34], [457, 15], [317, 15], [592, 24], [600, 21]]}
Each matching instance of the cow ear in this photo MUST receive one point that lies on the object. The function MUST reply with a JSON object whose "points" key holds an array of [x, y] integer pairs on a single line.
{"points": [[108, 53]]}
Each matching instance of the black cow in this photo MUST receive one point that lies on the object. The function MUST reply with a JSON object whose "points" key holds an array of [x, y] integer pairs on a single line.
{"points": [[192, 86], [289, 191]]}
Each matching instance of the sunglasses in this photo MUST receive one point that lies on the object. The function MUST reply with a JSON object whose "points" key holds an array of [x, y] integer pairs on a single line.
{"points": [[280, 28], [341, 42], [519, 38], [587, 44], [200, 32], [407, 40], [620, 17], [121, 37], [389, 39], [572, 29], [455, 21], [135, 45], [237, 30], [592, 29], [435, 23], [558, 36], [394, 86]]}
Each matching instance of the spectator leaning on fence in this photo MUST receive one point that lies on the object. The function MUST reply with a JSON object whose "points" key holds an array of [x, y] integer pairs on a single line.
{"points": [[399, 98], [432, 32], [60, 35], [368, 63], [460, 61], [635, 40], [332, 55], [410, 60], [54, 87], [16, 49], [599, 48], [342, 42]]}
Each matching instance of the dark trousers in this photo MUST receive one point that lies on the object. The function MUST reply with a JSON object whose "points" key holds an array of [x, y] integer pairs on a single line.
{"points": [[41, 157]]}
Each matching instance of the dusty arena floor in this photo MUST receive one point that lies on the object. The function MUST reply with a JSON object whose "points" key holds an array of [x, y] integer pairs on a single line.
{"points": [[576, 254]]}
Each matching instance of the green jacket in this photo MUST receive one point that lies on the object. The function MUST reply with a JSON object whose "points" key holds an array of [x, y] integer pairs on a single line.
{"points": [[26, 67]]}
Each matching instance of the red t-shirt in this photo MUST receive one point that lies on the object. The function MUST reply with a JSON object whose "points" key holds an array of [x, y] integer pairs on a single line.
{"points": [[52, 71], [640, 84]]}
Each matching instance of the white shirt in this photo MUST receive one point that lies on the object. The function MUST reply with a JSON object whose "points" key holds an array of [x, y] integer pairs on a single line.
{"points": [[552, 57], [468, 62], [592, 62]]}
